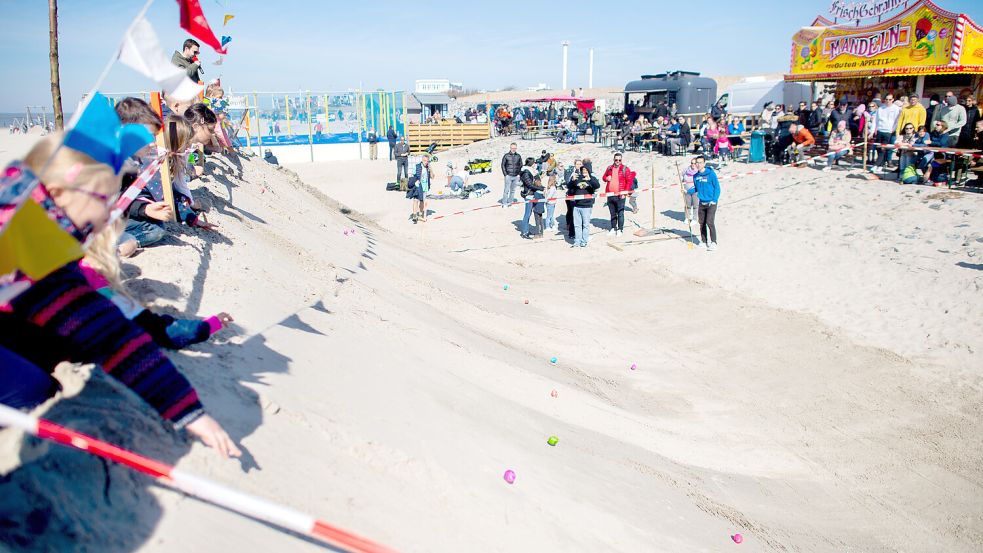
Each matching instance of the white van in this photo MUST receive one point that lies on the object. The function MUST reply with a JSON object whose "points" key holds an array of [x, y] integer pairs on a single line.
{"points": [[751, 94]]}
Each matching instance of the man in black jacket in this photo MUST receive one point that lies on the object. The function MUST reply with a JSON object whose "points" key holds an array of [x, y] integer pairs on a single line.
{"points": [[373, 144], [815, 122], [391, 136], [511, 166]]}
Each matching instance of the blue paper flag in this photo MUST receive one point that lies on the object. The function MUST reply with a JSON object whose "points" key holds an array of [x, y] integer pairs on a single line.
{"points": [[226, 39], [100, 135]]}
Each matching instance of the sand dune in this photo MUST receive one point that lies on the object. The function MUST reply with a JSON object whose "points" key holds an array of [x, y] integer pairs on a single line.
{"points": [[814, 384]]}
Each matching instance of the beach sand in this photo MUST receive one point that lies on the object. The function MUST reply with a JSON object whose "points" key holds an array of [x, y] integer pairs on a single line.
{"points": [[813, 385]]}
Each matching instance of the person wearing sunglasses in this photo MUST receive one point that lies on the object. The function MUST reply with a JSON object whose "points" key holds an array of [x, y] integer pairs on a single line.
{"points": [[187, 59]]}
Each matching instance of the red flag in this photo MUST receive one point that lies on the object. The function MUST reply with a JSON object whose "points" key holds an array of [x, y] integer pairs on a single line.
{"points": [[193, 20]]}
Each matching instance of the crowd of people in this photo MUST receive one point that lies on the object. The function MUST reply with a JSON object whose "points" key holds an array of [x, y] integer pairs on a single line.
{"points": [[81, 311]]}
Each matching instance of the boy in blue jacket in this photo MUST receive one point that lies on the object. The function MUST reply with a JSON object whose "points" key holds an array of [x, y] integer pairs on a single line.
{"points": [[707, 189]]}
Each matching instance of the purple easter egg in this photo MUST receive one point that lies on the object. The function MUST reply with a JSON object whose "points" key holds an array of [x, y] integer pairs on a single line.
{"points": [[509, 476], [944, 33]]}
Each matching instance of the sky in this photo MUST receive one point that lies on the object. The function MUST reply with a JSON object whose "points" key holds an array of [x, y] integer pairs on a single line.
{"points": [[328, 45]]}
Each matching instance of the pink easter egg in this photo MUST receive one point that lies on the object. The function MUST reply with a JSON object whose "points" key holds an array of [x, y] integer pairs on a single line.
{"points": [[509, 476], [634, 366], [554, 393], [737, 538]]}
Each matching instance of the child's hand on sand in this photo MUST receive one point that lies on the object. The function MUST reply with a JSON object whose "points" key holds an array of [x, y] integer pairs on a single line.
{"points": [[224, 317], [214, 436], [159, 210]]}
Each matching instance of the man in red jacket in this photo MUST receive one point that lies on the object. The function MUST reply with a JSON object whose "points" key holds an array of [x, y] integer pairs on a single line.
{"points": [[618, 180]]}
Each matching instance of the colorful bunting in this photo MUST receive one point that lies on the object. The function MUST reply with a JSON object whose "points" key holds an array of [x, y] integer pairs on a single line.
{"points": [[33, 242], [141, 51], [228, 17], [193, 20], [99, 134]]}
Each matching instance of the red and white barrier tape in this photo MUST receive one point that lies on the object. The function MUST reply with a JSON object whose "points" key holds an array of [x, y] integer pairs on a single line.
{"points": [[134, 190], [193, 485], [962, 153]]}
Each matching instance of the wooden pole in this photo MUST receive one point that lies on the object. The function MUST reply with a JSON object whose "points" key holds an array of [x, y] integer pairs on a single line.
{"points": [[53, 62], [165, 169]]}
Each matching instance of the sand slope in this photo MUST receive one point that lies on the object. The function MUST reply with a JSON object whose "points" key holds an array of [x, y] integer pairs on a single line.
{"points": [[785, 389]]}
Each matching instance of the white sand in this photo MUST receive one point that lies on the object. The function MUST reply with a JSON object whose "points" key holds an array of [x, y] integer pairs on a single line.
{"points": [[813, 384]]}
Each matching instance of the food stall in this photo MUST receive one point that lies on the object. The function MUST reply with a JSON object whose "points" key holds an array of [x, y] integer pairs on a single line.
{"points": [[922, 49]]}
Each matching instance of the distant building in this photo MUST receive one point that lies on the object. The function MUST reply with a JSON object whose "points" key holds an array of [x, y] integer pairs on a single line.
{"points": [[540, 86], [437, 86]]}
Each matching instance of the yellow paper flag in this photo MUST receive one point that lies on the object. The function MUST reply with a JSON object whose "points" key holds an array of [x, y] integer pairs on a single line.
{"points": [[228, 17], [34, 244]]}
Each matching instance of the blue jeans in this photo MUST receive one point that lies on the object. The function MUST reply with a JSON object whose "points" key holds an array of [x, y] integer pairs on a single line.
{"points": [[145, 233], [887, 154], [508, 194], [905, 159], [595, 132], [831, 158], [23, 385], [457, 183], [550, 221], [581, 225], [524, 225]]}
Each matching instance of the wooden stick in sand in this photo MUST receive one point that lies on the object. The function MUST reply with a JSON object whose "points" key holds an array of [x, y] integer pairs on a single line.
{"points": [[195, 486]]}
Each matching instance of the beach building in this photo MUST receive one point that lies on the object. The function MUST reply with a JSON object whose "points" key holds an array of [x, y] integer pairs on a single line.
{"points": [[921, 49]]}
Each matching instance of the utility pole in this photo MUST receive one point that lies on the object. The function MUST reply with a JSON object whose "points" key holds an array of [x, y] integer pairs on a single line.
{"points": [[53, 61], [590, 68], [566, 45]]}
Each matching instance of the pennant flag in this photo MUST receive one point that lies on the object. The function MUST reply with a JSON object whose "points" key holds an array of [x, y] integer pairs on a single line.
{"points": [[193, 20], [99, 134], [226, 40], [228, 17], [31, 242], [141, 51]]}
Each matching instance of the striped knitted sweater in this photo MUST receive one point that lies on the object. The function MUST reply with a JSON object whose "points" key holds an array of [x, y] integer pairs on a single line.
{"points": [[91, 329]]}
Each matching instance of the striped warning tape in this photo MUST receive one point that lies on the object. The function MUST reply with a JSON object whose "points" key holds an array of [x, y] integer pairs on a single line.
{"points": [[193, 485], [959, 152]]}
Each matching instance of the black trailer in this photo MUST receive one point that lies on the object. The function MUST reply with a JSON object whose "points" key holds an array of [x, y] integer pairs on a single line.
{"points": [[691, 93]]}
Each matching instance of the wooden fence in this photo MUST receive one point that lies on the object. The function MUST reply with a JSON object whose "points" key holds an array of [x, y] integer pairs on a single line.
{"points": [[446, 135]]}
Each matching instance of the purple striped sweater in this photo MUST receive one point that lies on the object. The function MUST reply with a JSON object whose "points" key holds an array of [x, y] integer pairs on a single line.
{"points": [[93, 330]]}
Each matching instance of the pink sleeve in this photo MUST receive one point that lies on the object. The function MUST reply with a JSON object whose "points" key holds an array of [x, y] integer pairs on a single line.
{"points": [[92, 276], [214, 324]]}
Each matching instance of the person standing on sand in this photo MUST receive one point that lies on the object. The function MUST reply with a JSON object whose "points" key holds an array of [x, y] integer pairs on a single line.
{"points": [[373, 145], [707, 188], [619, 180], [511, 166], [402, 161], [391, 137], [577, 164], [419, 187], [582, 184]]}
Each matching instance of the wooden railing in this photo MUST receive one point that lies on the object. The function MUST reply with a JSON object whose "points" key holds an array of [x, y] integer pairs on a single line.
{"points": [[419, 137]]}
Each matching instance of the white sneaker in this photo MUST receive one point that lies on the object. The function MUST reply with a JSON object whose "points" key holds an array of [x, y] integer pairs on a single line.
{"points": [[877, 170], [620, 232], [827, 169], [711, 246], [611, 232]]}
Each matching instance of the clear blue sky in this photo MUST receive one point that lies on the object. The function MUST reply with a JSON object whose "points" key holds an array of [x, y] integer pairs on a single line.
{"points": [[331, 45]]}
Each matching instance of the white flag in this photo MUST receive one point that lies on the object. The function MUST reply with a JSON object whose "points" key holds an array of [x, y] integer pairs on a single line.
{"points": [[141, 51]]}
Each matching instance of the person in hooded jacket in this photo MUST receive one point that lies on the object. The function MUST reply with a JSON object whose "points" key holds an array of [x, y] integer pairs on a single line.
{"points": [[532, 189]]}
